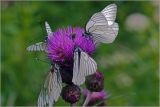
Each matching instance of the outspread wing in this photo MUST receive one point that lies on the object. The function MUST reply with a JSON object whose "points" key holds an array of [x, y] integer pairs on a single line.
{"points": [[51, 89], [40, 46], [84, 65], [102, 26]]}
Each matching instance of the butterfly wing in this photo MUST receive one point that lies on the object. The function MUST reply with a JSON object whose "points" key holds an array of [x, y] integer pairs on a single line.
{"points": [[40, 46], [110, 12], [51, 89], [102, 26], [105, 33], [84, 65], [78, 77], [43, 99], [56, 84], [48, 29], [96, 19]]}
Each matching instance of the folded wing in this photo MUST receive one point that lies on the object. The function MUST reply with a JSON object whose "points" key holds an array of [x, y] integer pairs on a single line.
{"points": [[51, 90], [84, 65], [101, 25]]}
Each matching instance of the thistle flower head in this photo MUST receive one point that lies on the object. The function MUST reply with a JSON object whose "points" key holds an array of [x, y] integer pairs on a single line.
{"points": [[85, 43], [95, 82], [71, 93], [61, 44]]}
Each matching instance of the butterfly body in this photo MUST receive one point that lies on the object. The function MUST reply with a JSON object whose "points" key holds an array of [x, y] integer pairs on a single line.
{"points": [[78, 50], [87, 34], [46, 38]]}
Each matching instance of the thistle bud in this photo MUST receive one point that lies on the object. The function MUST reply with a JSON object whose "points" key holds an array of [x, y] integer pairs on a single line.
{"points": [[71, 93], [95, 82]]}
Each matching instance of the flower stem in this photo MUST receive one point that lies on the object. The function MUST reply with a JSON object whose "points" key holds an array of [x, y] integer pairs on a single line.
{"points": [[87, 99], [73, 105]]}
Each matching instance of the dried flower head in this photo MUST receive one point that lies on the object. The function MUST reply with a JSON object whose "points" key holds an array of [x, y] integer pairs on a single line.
{"points": [[95, 82], [71, 93]]}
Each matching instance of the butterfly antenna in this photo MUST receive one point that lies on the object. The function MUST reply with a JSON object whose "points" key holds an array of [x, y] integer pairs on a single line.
{"points": [[122, 96], [103, 100], [38, 59]]}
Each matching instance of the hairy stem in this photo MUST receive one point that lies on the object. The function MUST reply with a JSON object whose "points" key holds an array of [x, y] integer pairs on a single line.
{"points": [[87, 99], [73, 105]]}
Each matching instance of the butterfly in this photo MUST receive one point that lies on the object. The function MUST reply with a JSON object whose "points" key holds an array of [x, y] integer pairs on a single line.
{"points": [[102, 27], [41, 46], [52, 87], [83, 66]]}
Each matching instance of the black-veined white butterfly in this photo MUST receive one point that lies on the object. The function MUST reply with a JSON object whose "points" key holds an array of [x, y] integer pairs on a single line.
{"points": [[41, 46], [51, 89], [102, 29], [84, 65], [102, 26]]}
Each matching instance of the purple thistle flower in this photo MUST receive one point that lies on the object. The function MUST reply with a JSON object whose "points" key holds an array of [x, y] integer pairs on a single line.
{"points": [[85, 43], [60, 46], [95, 97]]}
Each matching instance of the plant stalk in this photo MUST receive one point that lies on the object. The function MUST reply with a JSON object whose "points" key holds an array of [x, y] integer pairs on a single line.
{"points": [[87, 98]]}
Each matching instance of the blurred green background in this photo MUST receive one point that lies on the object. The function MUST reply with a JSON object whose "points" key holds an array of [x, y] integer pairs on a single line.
{"points": [[130, 64]]}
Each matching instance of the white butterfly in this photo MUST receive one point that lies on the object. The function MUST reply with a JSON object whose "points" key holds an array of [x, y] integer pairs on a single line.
{"points": [[41, 46], [84, 65], [51, 90], [102, 29], [101, 25]]}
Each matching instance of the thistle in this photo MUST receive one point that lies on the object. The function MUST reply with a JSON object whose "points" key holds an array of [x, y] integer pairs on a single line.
{"points": [[70, 52], [71, 93], [62, 43], [95, 82]]}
